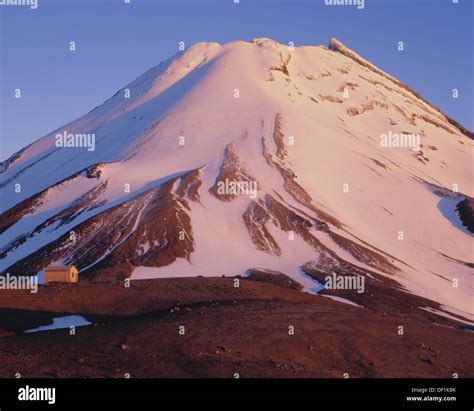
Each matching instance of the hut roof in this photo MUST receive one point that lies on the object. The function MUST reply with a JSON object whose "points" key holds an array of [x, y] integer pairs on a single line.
{"points": [[59, 267]]}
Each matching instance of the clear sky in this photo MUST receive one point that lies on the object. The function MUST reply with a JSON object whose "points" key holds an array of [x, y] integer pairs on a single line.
{"points": [[116, 42]]}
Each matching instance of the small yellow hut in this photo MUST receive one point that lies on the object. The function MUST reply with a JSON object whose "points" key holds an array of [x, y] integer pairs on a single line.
{"points": [[61, 274]]}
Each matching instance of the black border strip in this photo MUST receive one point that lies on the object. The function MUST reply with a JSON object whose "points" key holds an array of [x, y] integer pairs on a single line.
{"points": [[82, 393]]}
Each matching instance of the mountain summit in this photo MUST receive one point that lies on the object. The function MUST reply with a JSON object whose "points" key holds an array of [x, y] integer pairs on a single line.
{"points": [[307, 161]]}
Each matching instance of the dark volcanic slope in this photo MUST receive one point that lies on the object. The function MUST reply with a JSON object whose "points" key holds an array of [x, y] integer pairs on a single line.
{"points": [[466, 213], [229, 330]]}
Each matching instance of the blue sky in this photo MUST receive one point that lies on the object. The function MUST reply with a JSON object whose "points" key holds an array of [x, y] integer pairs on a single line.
{"points": [[117, 42]]}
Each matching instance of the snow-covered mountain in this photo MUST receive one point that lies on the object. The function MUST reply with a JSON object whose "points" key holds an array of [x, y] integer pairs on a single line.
{"points": [[308, 136]]}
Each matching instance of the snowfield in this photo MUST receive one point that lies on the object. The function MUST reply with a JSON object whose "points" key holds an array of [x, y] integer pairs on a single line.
{"points": [[304, 124]]}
